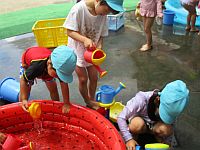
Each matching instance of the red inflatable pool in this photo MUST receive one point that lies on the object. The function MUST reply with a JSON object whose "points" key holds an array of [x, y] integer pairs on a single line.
{"points": [[81, 128]]}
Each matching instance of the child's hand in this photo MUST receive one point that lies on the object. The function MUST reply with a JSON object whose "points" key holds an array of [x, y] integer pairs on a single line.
{"points": [[160, 15], [2, 138], [131, 144], [89, 44], [25, 105], [138, 5], [66, 108]]}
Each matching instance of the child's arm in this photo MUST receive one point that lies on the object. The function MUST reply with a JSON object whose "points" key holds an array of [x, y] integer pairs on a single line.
{"points": [[24, 92], [65, 93], [100, 43], [88, 43], [132, 109], [159, 8]]}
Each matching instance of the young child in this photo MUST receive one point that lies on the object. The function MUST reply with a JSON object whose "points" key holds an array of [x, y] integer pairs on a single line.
{"points": [[149, 9], [190, 6], [153, 112], [42, 63], [2, 138], [86, 26]]}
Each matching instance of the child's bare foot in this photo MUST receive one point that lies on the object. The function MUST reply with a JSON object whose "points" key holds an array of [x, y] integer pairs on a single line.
{"points": [[194, 30], [199, 33], [187, 28], [92, 104]]}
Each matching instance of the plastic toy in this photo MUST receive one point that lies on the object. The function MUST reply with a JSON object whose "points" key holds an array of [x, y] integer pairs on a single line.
{"points": [[137, 13], [96, 58], [91, 129], [35, 110], [11, 142], [115, 109], [156, 146], [137, 147], [168, 18], [106, 93], [105, 97], [9, 89]]}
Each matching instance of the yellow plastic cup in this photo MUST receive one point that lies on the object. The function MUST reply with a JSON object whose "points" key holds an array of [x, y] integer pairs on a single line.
{"points": [[35, 110], [156, 146]]}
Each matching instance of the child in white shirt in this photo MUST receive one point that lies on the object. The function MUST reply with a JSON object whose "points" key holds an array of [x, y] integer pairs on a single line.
{"points": [[86, 26]]}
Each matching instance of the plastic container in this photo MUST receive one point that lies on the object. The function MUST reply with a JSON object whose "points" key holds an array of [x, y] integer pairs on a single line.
{"points": [[11, 143], [95, 57], [156, 146], [50, 33], [137, 147], [115, 110], [115, 22], [35, 110], [168, 18], [9, 89]]}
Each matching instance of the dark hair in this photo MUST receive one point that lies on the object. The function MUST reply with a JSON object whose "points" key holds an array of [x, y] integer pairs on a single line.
{"points": [[103, 2], [151, 107]]}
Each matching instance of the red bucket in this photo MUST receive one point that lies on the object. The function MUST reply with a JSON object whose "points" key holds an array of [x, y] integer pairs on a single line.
{"points": [[12, 143]]}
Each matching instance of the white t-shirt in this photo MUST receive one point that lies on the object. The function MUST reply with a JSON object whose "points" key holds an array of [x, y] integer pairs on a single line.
{"points": [[81, 20]]}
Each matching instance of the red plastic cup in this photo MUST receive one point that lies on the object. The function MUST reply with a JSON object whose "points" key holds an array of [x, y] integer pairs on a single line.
{"points": [[11, 143]]}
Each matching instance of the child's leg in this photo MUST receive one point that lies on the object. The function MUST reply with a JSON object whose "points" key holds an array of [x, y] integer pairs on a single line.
{"points": [[193, 21], [83, 78], [191, 18], [53, 90], [93, 78], [137, 126], [148, 23], [162, 131], [147, 30], [188, 26], [192, 11]]}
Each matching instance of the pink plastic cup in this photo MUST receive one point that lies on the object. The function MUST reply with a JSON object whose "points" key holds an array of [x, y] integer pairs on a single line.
{"points": [[11, 143]]}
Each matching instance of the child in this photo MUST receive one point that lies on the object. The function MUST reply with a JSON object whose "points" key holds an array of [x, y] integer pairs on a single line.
{"points": [[42, 63], [2, 138], [190, 6], [149, 9], [86, 26], [153, 112]]}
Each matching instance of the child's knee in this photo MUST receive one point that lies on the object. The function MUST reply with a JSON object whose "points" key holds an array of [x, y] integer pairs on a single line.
{"points": [[147, 30], [163, 130], [83, 80], [137, 125]]}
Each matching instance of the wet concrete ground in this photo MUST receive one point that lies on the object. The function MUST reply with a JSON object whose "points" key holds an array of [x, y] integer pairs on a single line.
{"points": [[175, 55]]}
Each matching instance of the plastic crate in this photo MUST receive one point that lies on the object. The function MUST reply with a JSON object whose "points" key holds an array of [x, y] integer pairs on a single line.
{"points": [[115, 22], [50, 33]]}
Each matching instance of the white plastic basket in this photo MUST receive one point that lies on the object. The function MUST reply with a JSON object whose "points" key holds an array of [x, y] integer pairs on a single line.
{"points": [[115, 22]]}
